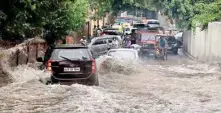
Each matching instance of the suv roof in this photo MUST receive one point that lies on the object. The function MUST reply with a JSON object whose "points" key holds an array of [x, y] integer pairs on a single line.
{"points": [[70, 46]]}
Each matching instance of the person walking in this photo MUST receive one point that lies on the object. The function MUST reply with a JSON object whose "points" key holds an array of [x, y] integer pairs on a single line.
{"points": [[50, 40], [162, 46], [133, 37]]}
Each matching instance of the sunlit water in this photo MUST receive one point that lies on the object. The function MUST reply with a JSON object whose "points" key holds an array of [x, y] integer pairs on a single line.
{"points": [[156, 87]]}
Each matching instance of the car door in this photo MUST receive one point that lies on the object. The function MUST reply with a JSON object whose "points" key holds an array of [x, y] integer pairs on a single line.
{"points": [[98, 47]]}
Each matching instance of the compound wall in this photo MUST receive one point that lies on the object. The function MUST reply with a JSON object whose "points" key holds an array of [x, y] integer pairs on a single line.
{"points": [[204, 45]]}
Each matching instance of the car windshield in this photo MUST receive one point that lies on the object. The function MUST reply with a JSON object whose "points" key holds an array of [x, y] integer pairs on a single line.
{"points": [[112, 29], [148, 37], [153, 25], [111, 33], [122, 54], [140, 26], [171, 39], [73, 54]]}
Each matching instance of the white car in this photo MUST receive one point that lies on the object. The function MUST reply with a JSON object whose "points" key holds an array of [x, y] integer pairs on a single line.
{"points": [[129, 30], [127, 54], [136, 47], [120, 59]]}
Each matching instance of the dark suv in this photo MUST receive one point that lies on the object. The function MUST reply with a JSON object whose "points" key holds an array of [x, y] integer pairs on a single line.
{"points": [[69, 63]]}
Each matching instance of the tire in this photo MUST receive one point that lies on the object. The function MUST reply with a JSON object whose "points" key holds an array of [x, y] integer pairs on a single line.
{"points": [[53, 80], [175, 52], [93, 80]]}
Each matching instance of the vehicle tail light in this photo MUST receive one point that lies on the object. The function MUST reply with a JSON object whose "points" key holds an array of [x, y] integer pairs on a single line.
{"points": [[93, 67], [48, 67]]}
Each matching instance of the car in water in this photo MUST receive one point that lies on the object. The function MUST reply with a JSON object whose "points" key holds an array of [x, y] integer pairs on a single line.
{"points": [[145, 37], [110, 31], [116, 57], [153, 23], [173, 44], [140, 26], [123, 53], [100, 45], [72, 64], [129, 30]]}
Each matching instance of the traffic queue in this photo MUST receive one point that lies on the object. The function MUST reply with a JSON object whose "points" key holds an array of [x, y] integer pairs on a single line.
{"points": [[122, 41]]}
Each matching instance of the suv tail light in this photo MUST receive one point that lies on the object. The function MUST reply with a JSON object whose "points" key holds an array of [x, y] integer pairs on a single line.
{"points": [[93, 67], [48, 67]]}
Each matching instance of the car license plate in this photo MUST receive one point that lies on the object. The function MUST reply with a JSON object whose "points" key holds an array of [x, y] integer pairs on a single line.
{"points": [[169, 47], [72, 69]]}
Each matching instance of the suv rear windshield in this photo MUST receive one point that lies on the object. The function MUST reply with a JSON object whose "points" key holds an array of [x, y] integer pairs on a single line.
{"points": [[73, 54]]}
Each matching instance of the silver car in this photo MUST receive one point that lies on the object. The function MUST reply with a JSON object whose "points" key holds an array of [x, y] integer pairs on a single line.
{"points": [[100, 45]]}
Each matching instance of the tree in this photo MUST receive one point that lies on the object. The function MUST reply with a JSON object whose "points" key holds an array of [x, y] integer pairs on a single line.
{"points": [[189, 13], [28, 18]]}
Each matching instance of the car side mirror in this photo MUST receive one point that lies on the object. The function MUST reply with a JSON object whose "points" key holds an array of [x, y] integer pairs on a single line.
{"points": [[40, 59]]}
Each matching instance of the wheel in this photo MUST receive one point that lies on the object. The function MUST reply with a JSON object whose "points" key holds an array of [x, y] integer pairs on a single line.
{"points": [[175, 52], [53, 80], [93, 80]]}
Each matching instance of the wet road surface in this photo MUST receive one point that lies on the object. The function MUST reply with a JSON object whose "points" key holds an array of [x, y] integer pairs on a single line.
{"points": [[178, 85]]}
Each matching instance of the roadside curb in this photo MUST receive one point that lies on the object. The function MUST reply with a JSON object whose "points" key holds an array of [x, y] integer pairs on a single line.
{"points": [[190, 56]]}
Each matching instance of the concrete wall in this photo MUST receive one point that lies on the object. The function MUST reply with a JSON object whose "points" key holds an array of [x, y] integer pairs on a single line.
{"points": [[204, 45]]}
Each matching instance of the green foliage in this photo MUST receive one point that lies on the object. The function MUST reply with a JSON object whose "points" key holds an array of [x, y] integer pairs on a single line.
{"points": [[189, 13], [207, 13], [28, 18]]}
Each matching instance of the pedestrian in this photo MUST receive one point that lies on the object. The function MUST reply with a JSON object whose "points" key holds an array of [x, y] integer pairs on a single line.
{"points": [[162, 44], [50, 40], [128, 42], [115, 42], [95, 30], [133, 37]]}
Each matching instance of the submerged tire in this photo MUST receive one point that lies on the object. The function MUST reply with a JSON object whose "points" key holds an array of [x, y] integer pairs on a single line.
{"points": [[93, 80]]}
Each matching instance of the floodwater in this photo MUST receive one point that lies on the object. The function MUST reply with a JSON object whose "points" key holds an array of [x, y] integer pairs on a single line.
{"points": [[178, 85]]}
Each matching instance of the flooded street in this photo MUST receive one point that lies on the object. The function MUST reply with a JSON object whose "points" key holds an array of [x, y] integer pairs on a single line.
{"points": [[178, 85]]}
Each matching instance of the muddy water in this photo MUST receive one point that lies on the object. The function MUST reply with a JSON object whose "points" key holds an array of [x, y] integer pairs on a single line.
{"points": [[174, 86]]}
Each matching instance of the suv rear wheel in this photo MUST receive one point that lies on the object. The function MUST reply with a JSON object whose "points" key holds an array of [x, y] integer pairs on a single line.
{"points": [[93, 80]]}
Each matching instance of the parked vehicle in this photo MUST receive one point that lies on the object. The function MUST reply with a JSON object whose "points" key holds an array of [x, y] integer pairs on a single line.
{"points": [[179, 38], [72, 63], [173, 44], [100, 45], [118, 27], [128, 30], [140, 26], [144, 37], [152, 23], [110, 31]]}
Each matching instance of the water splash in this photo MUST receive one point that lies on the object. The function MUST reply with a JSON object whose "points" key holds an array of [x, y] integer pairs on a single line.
{"points": [[121, 66]]}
